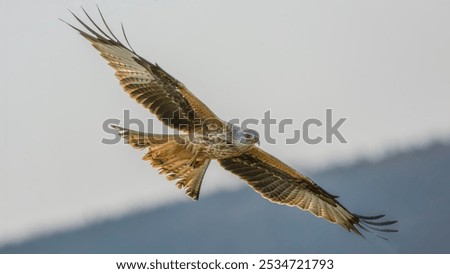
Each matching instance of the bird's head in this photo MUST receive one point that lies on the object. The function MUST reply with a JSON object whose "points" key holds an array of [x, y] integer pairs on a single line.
{"points": [[248, 136]]}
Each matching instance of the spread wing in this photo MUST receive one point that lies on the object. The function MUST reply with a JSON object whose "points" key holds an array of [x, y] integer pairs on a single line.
{"points": [[281, 184], [148, 83]]}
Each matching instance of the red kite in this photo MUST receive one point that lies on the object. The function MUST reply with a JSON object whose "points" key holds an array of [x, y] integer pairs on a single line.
{"points": [[204, 137]]}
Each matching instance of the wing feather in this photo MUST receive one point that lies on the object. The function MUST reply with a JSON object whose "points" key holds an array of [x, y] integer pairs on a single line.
{"points": [[145, 82], [281, 184]]}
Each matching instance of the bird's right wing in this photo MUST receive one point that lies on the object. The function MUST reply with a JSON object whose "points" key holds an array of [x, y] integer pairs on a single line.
{"points": [[281, 184], [148, 83]]}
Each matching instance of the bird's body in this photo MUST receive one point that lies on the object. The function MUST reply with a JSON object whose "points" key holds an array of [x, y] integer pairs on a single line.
{"points": [[218, 142], [204, 137]]}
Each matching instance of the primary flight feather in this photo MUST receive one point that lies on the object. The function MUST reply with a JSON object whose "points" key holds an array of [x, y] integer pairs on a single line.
{"points": [[204, 137]]}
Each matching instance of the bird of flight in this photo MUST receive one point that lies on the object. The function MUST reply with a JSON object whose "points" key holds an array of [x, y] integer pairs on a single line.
{"points": [[203, 137]]}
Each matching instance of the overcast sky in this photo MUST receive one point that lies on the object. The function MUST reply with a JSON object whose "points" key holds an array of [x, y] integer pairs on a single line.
{"points": [[383, 65]]}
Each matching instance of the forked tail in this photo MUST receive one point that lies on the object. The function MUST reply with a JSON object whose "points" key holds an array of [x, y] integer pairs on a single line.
{"points": [[171, 156]]}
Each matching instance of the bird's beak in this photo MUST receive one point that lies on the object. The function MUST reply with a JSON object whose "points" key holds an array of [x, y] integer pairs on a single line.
{"points": [[259, 143]]}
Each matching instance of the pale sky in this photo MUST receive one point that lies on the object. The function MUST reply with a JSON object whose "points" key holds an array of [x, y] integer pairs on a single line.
{"points": [[384, 65]]}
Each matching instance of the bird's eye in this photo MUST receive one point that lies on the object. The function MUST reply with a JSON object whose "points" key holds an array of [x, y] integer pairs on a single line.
{"points": [[248, 136]]}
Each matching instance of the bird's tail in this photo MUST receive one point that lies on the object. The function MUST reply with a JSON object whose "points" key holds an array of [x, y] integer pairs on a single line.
{"points": [[171, 156]]}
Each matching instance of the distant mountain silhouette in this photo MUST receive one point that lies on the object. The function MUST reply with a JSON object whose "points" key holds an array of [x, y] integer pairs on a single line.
{"points": [[413, 187]]}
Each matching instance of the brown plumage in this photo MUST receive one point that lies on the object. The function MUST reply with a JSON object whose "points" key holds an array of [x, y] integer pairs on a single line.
{"points": [[185, 157]]}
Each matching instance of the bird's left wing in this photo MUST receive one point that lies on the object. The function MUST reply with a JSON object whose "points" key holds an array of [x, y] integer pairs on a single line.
{"points": [[147, 83], [281, 184]]}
